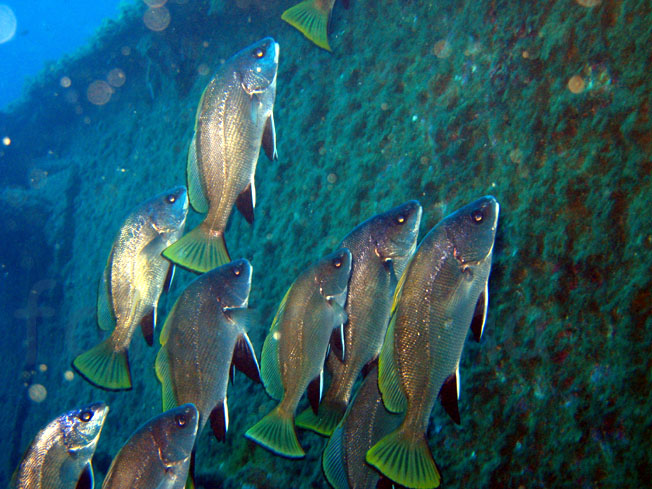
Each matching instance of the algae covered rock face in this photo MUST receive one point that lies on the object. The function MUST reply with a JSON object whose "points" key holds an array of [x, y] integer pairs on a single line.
{"points": [[543, 105]]}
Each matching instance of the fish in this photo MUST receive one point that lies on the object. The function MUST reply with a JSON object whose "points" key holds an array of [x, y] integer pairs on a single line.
{"points": [[234, 119], [203, 337], [130, 287], [295, 348], [365, 422], [312, 18], [443, 288], [157, 454], [60, 455], [380, 249]]}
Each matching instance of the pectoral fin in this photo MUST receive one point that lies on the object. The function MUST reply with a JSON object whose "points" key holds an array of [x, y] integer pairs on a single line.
{"points": [[246, 202], [219, 419], [315, 390], [449, 394], [480, 313], [244, 358], [269, 139], [168, 279], [86, 480], [337, 343]]}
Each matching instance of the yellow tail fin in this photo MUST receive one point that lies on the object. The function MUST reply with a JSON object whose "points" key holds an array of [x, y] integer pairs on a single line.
{"points": [[199, 251], [276, 432], [405, 461], [105, 367], [311, 20], [325, 421]]}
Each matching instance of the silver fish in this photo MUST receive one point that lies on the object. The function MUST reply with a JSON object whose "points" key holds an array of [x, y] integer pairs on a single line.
{"points": [[380, 249], [233, 119], [295, 348], [157, 455], [60, 455], [203, 336], [132, 284], [440, 293], [365, 422]]}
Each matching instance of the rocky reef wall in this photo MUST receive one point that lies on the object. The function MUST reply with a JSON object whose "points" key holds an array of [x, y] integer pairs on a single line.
{"points": [[543, 105]]}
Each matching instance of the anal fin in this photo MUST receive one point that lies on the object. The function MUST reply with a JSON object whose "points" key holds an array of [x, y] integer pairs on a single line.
{"points": [[449, 394], [147, 325]]}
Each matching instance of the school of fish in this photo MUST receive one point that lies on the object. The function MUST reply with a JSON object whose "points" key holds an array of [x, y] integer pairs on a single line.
{"points": [[378, 307]]}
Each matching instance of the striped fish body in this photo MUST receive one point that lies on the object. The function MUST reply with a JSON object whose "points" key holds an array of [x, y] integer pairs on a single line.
{"points": [[199, 339], [380, 249], [434, 306], [157, 455]]}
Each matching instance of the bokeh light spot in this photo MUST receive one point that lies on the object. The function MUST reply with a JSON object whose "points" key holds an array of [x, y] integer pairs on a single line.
{"points": [[125, 50], [65, 82], [43, 367], [116, 77], [99, 92], [68, 375], [6, 141], [37, 393], [155, 3], [7, 23], [157, 19], [331, 178], [203, 69], [442, 49], [589, 3], [576, 84]]}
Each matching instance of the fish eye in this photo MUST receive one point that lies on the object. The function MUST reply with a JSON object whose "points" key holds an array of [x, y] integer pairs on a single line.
{"points": [[86, 416], [237, 271], [337, 262], [180, 420], [259, 53], [400, 219], [477, 216], [171, 199]]}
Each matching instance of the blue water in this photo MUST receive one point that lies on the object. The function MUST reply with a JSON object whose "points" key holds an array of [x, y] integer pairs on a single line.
{"points": [[46, 30]]}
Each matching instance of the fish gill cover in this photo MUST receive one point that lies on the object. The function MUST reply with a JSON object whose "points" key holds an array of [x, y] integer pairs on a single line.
{"points": [[543, 105]]}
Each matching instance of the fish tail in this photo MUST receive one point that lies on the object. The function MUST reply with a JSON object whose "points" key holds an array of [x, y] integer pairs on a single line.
{"points": [[277, 433], [405, 460], [199, 250], [311, 20], [325, 421], [105, 367]]}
